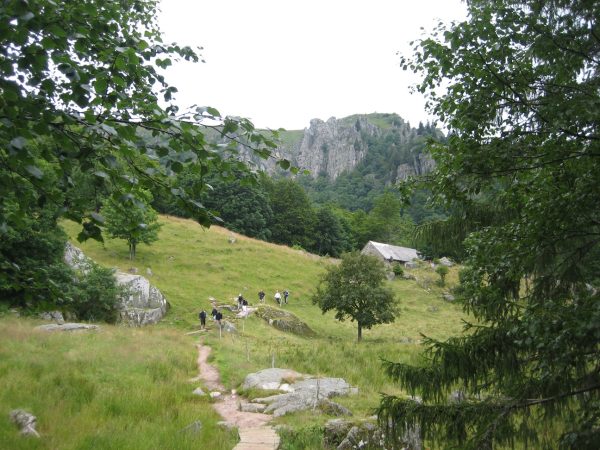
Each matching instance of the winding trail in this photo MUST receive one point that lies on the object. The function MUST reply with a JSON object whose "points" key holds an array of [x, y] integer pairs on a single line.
{"points": [[254, 432]]}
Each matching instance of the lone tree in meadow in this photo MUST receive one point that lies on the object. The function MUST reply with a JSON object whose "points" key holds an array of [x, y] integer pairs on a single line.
{"points": [[355, 289], [132, 219]]}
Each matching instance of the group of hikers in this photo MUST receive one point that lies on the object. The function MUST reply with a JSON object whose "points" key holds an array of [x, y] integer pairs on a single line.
{"points": [[217, 316]]}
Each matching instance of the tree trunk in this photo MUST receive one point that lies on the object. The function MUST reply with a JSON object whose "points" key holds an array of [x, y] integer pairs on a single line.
{"points": [[359, 332]]}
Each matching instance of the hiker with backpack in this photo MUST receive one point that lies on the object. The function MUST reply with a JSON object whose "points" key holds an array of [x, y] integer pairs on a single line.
{"points": [[202, 317], [261, 296], [278, 297], [285, 296]]}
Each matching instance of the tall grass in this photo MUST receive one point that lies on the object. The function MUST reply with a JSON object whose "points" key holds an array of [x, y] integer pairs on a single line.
{"points": [[114, 388]]}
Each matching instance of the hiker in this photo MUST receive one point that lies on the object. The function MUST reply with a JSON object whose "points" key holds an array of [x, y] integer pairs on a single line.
{"points": [[218, 318], [202, 316], [261, 296], [278, 297], [285, 296], [244, 306], [240, 301], [214, 313]]}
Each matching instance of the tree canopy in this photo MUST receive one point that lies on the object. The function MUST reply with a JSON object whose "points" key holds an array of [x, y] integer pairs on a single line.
{"points": [[86, 111], [521, 172], [355, 289], [83, 88]]}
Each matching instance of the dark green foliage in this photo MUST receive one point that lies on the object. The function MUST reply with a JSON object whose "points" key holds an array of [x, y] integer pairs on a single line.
{"points": [[83, 79], [520, 173], [31, 260], [94, 296], [241, 206], [356, 289], [386, 223], [329, 234], [398, 269], [293, 215]]}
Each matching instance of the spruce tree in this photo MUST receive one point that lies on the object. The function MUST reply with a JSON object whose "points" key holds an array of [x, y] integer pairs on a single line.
{"points": [[521, 171]]}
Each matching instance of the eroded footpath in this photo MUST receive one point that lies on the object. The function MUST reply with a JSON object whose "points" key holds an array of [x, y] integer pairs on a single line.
{"points": [[253, 428]]}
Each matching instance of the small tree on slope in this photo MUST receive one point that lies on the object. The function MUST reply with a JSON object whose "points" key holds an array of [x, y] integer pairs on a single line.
{"points": [[355, 289], [134, 221]]}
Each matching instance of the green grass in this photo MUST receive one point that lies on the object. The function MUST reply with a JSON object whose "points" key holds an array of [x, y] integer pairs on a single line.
{"points": [[128, 388], [115, 388]]}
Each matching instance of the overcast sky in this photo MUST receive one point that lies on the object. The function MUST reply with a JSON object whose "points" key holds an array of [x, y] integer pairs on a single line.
{"points": [[281, 63]]}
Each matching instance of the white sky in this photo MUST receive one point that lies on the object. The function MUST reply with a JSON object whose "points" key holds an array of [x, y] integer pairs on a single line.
{"points": [[282, 63]]}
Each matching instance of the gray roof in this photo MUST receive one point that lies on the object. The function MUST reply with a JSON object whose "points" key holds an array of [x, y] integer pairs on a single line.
{"points": [[395, 252]]}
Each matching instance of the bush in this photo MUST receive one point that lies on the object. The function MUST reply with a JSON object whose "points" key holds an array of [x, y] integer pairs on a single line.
{"points": [[94, 295], [442, 271], [398, 269]]}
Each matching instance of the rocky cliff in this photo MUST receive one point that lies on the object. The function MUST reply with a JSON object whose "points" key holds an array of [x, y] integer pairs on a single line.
{"points": [[332, 147], [329, 148]]}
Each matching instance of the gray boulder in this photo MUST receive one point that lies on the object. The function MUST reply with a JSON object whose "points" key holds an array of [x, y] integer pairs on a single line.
{"points": [[56, 316], [25, 421], [448, 297], [332, 408], [141, 303], [306, 394], [228, 327], [446, 262], [270, 379], [76, 259], [252, 407]]}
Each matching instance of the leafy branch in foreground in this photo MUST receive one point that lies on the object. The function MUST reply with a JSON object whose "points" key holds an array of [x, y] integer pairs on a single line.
{"points": [[86, 113], [520, 172]]}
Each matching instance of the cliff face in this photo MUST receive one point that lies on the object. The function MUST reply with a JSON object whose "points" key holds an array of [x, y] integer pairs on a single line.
{"points": [[329, 148], [332, 147]]}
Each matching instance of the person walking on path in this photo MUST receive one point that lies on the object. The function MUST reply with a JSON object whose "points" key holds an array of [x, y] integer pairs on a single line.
{"points": [[285, 296], [214, 313], [261, 296], [278, 297], [240, 301], [202, 316], [218, 318]]}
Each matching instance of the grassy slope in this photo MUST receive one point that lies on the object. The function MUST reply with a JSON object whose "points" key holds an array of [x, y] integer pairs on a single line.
{"points": [[190, 264]]}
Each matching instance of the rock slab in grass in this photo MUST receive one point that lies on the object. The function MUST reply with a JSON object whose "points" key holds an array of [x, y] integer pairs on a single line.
{"points": [[252, 407], [271, 379], [304, 394], [25, 421], [284, 321], [69, 326]]}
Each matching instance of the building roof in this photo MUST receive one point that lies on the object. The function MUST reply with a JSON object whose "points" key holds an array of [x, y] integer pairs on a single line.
{"points": [[395, 252]]}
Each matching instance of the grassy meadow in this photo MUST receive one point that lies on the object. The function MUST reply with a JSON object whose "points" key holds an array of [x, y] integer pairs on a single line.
{"points": [[134, 382]]}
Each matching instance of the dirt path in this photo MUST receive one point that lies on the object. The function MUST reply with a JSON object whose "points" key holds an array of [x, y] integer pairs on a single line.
{"points": [[254, 432]]}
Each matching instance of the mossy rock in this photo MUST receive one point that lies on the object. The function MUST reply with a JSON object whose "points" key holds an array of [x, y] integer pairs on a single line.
{"points": [[284, 321]]}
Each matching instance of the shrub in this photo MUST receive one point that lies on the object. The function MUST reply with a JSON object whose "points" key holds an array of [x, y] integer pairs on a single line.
{"points": [[94, 295], [398, 269], [442, 271]]}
